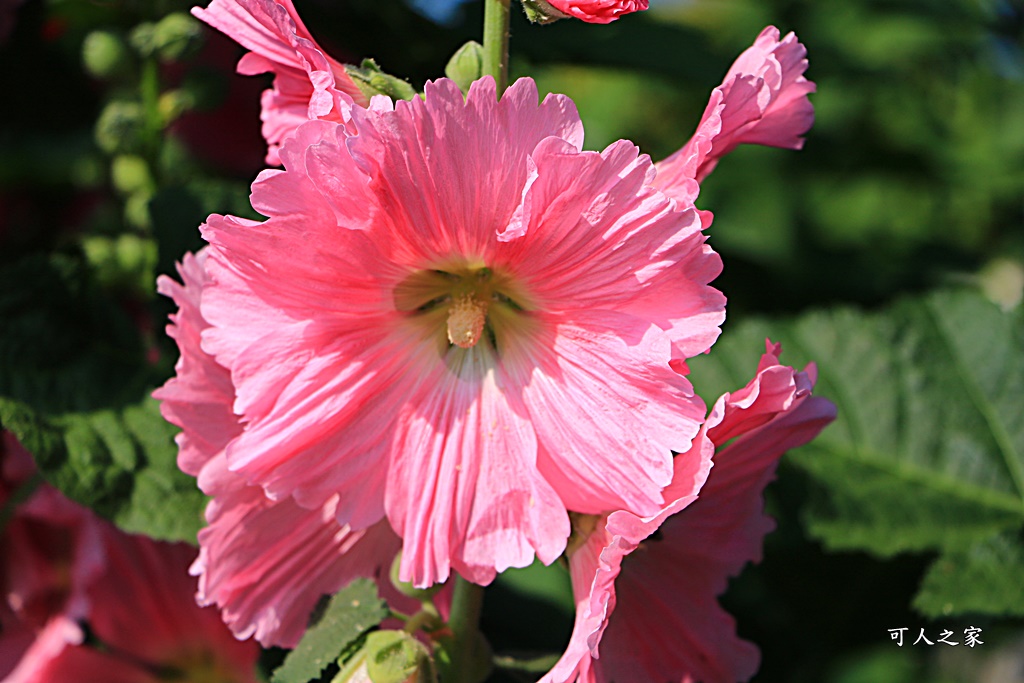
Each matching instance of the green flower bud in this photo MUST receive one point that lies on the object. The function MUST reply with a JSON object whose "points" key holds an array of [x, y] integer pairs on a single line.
{"points": [[177, 36], [136, 209], [135, 255], [406, 588], [143, 38], [173, 104], [397, 657], [105, 55], [466, 65], [119, 127], [130, 173], [100, 253]]}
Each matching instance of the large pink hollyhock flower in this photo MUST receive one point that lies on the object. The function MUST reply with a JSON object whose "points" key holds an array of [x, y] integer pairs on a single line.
{"points": [[308, 84], [620, 563], [591, 11], [762, 101], [265, 563], [455, 316]]}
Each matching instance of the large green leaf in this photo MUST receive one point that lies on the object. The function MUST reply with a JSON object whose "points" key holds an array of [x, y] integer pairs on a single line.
{"points": [[352, 611], [927, 453], [119, 462]]}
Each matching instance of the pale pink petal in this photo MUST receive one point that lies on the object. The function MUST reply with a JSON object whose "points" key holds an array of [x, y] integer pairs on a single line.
{"points": [[462, 180], [266, 564], [599, 225], [465, 490], [762, 101]]}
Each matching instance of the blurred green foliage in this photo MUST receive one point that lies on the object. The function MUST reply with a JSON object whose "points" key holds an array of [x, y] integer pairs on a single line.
{"points": [[126, 127]]}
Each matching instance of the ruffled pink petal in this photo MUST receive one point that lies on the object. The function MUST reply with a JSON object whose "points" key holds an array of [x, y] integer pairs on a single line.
{"points": [[599, 224], [762, 101], [592, 395], [695, 550], [200, 394], [308, 84], [455, 168], [266, 563], [464, 490]]}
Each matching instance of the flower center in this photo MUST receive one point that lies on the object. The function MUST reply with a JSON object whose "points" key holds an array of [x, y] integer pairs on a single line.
{"points": [[466, 319], [468, 302]]}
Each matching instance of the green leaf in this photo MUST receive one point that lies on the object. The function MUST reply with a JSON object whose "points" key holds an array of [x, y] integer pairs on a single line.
{"points": [[352, 611], [985, 579], [120, 463], [927, 453]]}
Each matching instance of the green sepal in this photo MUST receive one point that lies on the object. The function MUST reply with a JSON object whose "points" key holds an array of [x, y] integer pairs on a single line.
{"points": [[541, 12], [373, 81]]}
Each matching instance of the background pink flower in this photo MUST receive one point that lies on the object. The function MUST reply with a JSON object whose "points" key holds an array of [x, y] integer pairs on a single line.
{"points": [[667, 570], [456, 317], [308, 84], [63, 567], [762, 101], [265, 563], [50, 556]]}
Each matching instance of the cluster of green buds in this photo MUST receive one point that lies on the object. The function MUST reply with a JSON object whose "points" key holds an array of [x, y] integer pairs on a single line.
{"points": [[130, 132]]}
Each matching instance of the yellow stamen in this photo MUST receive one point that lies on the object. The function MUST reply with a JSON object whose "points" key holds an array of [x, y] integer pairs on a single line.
{"points": [[466, 319]]}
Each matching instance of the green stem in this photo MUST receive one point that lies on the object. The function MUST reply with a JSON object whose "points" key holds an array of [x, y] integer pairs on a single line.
{"points": [[496, 21], [427, 618], [467, 603]]}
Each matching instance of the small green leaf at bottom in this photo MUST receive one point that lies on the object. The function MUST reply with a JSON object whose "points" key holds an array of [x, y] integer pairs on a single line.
{"points": [[352, 611]]}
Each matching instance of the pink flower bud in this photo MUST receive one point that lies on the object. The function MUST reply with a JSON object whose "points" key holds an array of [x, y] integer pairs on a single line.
{"points": [[590, 11]]}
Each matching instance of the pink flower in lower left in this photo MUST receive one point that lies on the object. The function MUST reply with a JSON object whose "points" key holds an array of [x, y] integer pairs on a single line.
{"points": [[84, 602]]}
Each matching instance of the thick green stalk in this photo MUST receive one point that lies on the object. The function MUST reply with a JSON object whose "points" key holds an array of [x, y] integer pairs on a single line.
{"points": [[467, 603], [496, 20]]}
